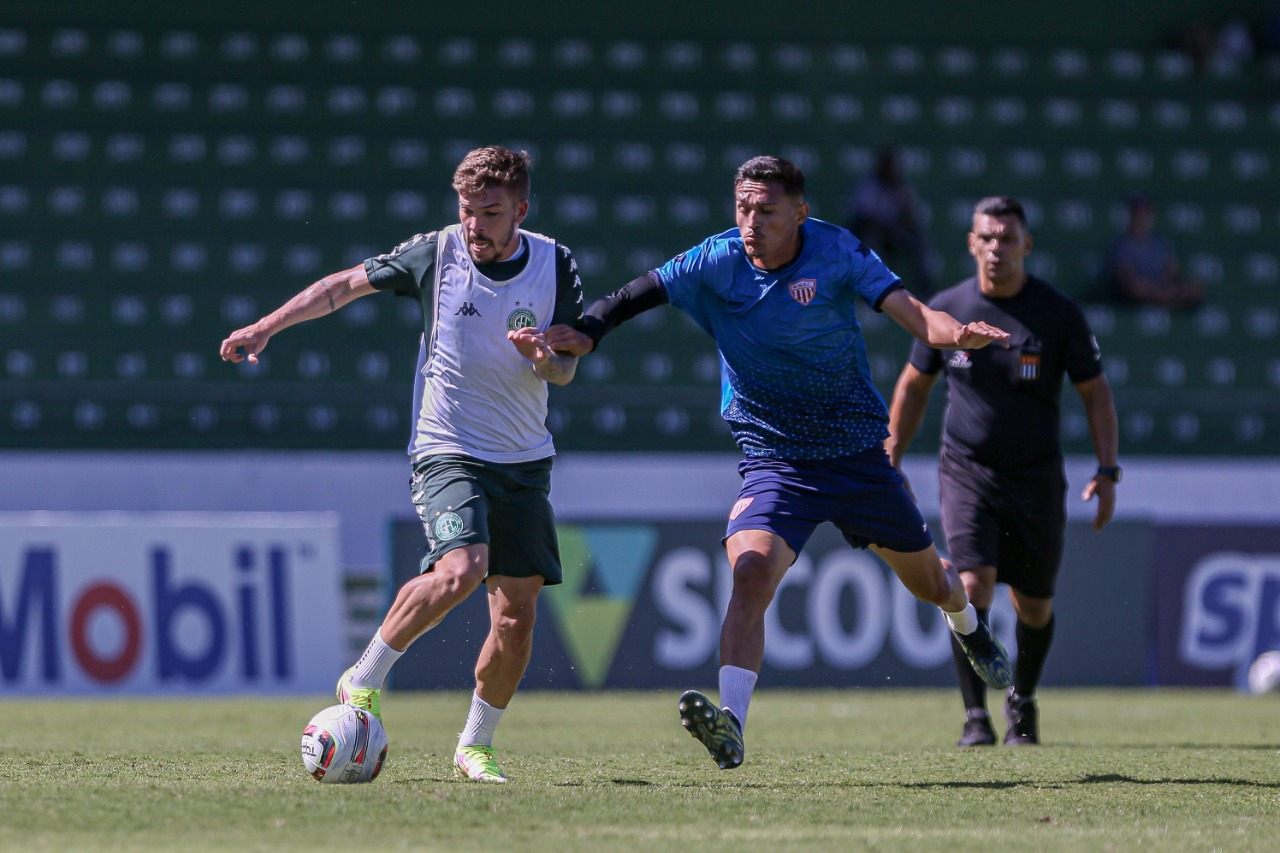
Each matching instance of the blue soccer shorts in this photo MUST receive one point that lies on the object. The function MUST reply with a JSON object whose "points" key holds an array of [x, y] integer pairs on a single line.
{"points": [[863, 496]]}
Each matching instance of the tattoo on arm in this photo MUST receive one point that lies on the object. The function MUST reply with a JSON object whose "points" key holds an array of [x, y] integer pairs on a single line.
{"points": [[558, 370], [328, 294]]}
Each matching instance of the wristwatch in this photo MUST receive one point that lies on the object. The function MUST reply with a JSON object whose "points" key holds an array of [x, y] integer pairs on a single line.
{"points": [[1112, 472]]}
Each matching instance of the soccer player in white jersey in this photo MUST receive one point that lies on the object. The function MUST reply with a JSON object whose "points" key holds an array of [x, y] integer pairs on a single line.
{"points": [[778, 295], [480, 449]]}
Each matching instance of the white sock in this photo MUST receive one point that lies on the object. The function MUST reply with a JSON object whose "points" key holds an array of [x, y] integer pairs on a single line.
{"points": [[372, 668], [963, 622], [736, 686], [482, 721]]}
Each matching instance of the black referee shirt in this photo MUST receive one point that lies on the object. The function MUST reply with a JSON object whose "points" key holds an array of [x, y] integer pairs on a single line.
{"points": [[1003, 404]]}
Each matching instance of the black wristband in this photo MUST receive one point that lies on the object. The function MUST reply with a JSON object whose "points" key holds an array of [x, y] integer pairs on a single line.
{"points": [[1111, 472]]}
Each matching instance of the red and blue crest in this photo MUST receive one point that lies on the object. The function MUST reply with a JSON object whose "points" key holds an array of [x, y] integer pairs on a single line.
{"points": [[803, 290]]}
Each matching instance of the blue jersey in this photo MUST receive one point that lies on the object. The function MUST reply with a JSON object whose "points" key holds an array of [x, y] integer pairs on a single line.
{"points": [[795, 383]]}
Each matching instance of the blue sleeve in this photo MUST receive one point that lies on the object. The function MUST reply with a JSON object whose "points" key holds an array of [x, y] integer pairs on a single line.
{"points": [[871, 277], [688, 275]]}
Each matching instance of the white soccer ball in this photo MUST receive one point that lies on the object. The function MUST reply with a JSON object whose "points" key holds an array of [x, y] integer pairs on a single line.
{"points": [[1264, 673], [344, 744]]}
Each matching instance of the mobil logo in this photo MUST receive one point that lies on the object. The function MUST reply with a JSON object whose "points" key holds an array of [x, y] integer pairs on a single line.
{"points": [[1230, 609], [146, 609]]}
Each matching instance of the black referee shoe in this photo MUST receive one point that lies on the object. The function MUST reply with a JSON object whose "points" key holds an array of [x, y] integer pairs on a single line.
{"points": [[977, 732], [1024, 720]]}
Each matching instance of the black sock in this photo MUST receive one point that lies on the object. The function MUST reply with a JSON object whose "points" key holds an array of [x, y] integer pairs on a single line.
{"points": [[1033, 648], [973, 690]]}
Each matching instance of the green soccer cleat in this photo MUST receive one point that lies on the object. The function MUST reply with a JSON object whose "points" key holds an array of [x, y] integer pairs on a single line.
{"points": [[717, 729], [365, 698], [987, 656], [478, 763]]}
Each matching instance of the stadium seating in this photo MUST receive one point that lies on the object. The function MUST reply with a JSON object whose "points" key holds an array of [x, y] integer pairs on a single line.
{"points": [[166, 185]]}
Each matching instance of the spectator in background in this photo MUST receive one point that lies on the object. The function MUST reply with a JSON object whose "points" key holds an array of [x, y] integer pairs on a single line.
{"points": [[1142, 267], [1208, 43], [884, 214]]}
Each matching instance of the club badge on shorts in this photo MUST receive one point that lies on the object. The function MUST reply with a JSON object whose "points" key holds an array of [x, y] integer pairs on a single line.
{"points": [[448, 526]]}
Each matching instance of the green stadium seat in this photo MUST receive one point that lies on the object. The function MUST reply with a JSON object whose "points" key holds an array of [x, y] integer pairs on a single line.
{"points": [[238, 164]]}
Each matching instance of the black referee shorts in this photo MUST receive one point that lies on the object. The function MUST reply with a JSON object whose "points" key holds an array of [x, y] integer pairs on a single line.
{"points": [[1014, 521]]}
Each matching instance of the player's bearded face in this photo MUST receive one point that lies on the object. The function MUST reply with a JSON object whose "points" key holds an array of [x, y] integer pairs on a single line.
{"points": [[489, 220]]}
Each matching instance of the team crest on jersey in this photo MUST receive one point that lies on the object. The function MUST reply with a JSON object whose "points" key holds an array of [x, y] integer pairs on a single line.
{"points": [[448, 526], [521, 318], [739, 508], [1029, 366], [803, 290], [960, 361]]}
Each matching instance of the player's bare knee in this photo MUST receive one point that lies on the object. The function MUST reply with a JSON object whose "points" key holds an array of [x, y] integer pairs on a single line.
{"points": [[456, 579], [754, 580], [516, 624]]}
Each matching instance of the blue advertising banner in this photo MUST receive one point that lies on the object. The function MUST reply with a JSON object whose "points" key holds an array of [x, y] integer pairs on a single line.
{"points": [[641, 607], [1218, 601]]}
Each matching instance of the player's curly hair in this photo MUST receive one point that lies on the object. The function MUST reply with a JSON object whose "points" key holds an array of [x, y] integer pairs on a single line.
{"points": [[493, 166], [775, 169]]}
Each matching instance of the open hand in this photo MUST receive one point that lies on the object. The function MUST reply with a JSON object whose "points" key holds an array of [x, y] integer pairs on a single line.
{"points": [[530, 343], [978, 335]]}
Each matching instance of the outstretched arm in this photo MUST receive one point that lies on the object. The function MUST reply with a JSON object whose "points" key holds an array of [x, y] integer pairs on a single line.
{"points": [[635, 297], [938, 328], [323, 297]]}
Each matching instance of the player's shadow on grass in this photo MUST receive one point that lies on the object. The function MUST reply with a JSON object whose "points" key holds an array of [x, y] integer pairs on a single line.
{"points": [[1105, 778], [1092, 779]]}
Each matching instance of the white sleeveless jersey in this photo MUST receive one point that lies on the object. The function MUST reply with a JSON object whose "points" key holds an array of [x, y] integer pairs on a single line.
{"points": [[474, 394]]}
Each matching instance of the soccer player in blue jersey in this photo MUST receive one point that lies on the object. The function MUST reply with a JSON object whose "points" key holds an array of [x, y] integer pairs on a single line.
{"points": [[778, 295]]}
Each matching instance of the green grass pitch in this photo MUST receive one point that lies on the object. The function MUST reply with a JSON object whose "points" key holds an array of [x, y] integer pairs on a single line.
{"points": [[826, 770]]}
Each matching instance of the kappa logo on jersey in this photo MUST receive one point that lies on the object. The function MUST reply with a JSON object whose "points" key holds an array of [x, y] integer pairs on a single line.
{"points": [[803, 290], [521, 318], [960, 360], [468, 309]]}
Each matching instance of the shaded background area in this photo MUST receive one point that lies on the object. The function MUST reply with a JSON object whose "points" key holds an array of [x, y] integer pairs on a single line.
{"points": [[171, 172]]}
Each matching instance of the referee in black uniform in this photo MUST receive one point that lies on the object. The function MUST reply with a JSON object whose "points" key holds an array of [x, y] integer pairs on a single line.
{"points": [[1002, 486]]}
